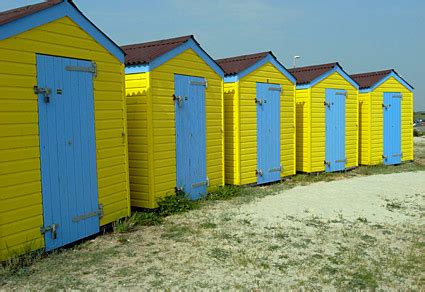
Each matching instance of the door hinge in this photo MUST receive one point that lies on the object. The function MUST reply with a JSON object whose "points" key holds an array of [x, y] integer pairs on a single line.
{"points": [[259, 101], [91, 69], [341, 160], [97, 213], [51, 228], [398, 155], [200, 83], [328, 163], [384, 157], [385, 106], [398, 96], [275, 169], [276, 89], [45, 91], [344, 93], [202, 183], [259, 172], [328, 104]]}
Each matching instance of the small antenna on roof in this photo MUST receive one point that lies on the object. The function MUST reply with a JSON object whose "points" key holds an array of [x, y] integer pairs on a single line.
{"points": [[295, 61]]}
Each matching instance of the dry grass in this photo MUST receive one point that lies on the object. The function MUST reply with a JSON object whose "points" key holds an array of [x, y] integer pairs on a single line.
{"points": [[213, 247]]}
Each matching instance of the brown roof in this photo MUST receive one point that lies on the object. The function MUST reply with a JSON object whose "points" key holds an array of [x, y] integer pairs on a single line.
{"points": [[234, 65], [13, 14], [307, 74], [366, 80], [144, 53]]}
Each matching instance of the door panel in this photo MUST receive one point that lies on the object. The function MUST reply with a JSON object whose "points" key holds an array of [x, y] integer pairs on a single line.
{"points": [[335, 130], [190, 135], [67, 150], [392, 128], [268, 132]]}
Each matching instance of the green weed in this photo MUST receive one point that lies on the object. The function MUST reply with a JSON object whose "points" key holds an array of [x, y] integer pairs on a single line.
{"points": [[224, 193], [393, 205], [219, 253], [362, 279], [208, 225], [175, 204], [20, 260], [176, 232], [137, 219]]}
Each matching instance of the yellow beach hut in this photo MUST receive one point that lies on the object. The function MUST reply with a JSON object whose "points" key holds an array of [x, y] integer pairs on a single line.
{"points": [[174, 95], [63, 149], [327, 118], [385, 118], [259, 114]]}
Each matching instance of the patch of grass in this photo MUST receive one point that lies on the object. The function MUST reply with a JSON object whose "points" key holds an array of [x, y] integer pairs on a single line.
{"points": [[244, 259], [362, 279], [281, 235], [175, 204], [219, 253], [20, 260], [393, 205], [137, 218], [368, 239], [417, 133], [362, 219], [124, 272], [176, 232], [273, 247], [208, 225], [224, 193]]}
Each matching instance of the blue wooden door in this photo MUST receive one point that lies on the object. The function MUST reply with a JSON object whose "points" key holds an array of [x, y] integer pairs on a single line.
{"points": [[335, 130], [268, 132], [191, 171], [392, 128], [67, 150]]}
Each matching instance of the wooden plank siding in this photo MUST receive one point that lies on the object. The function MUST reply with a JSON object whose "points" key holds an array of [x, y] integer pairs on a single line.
{"points": [[372, 144], [303, 130], [311, 128], [20, 177], [231, 133], [158, 118], [137, 86], [241, 165], [364, 128]]}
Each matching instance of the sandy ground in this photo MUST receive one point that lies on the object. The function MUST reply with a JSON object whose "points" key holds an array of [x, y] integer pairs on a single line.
{"points": [[364, 232], [364, 197]]}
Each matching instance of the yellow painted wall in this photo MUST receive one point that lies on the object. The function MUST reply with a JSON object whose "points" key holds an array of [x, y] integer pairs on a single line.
{"points": [[310, 104], [136, 96], [160, 129], [231, 133], [372, 149], [20, 178], [364, 128], [303, 149], [244, 127]]}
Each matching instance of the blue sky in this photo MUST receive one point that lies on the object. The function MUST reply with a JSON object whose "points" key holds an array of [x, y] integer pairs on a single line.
{"points": [[363, 35]]}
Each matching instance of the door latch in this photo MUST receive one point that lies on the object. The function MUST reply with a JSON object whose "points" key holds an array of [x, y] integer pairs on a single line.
{"points": [[45, 91], [51, 228], [179, 100]]}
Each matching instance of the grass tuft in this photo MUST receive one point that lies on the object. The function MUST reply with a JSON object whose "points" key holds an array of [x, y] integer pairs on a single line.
{"points": [[224, 193], [137, 218], [175, 204]]}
